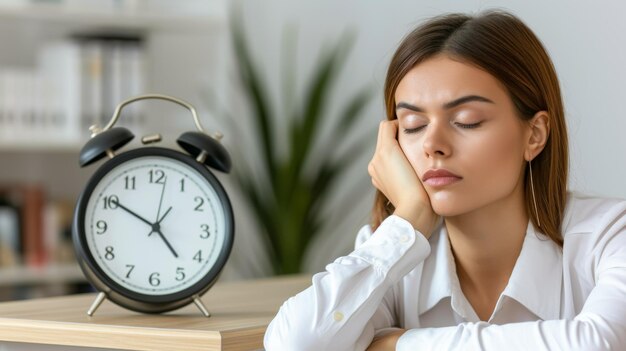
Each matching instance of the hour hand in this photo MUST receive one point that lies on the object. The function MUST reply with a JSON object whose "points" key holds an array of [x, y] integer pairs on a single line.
{"points": [[157, 225], [165, 214], [117, 202]]}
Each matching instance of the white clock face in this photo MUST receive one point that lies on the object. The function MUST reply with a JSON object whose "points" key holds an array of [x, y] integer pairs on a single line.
{"points": [[155, 225]]}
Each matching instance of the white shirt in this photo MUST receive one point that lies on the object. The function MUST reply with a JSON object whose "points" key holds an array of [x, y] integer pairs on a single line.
{"points": [[569, 299]]}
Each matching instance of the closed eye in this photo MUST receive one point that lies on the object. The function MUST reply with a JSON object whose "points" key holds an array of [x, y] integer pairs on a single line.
{"points": [[413, 130], [466, 126]]}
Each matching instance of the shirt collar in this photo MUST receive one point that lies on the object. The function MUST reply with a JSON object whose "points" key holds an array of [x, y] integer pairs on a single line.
{"points": [[535, 281]]}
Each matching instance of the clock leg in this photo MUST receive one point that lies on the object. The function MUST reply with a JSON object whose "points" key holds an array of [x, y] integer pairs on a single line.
{"points": [[201, 307], [94, 306]]}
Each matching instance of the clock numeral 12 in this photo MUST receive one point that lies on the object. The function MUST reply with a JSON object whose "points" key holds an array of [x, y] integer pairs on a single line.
{"points": [[159, 175]]}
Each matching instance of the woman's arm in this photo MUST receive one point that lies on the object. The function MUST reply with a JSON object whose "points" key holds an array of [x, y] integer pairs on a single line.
{"points": [[601, 324], [348, 302], [387, 342]]}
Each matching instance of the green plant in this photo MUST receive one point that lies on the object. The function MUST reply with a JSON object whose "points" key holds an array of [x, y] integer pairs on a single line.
{"points": [[285, 196]]}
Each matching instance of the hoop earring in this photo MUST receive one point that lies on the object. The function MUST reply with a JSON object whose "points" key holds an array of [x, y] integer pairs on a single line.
{"points": [[532, 187]]}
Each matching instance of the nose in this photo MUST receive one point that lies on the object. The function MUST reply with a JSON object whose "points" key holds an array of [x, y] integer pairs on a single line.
{"points": [[436, 140]]}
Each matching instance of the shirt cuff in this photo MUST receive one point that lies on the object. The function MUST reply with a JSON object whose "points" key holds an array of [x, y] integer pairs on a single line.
{"points": [[395, 247]]}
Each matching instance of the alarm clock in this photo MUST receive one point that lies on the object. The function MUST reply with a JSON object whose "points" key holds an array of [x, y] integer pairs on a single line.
{"points": [[153, 227]]}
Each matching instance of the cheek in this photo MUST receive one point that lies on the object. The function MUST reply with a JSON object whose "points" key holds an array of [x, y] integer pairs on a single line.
{"points": [[412, 150], [496, 158]]}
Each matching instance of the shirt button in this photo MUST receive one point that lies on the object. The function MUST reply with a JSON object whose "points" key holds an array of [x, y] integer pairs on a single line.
{"points": [[404, 238], [338, 316]]}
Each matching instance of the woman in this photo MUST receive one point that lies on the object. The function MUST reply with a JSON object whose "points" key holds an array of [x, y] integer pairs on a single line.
{"points": [[475, 242]]}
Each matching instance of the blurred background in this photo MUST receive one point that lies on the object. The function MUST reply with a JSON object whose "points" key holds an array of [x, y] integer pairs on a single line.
{"points": [[295, 87]]}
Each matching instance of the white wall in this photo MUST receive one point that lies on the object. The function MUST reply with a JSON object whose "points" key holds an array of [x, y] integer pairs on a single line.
{"points": [[584, 39]]}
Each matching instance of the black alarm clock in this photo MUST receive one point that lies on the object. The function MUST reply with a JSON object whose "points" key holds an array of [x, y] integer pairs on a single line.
{"points": [[153, 227]]}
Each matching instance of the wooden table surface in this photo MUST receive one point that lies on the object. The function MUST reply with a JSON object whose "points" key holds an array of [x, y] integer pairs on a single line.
{"points": [[240, 313]]}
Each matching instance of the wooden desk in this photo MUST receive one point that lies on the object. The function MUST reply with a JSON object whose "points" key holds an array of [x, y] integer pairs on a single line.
{"points": [[240, 313]]}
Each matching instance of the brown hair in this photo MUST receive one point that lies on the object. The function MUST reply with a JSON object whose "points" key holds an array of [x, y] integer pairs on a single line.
{"points": [[501, 44]]}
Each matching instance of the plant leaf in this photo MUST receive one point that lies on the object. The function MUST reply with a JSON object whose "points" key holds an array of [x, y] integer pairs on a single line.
{"points": [[314, 105], [264, 217], [253, 87]]}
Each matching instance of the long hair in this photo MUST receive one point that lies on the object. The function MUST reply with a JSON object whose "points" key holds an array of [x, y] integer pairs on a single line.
{"points": [[502, 45]]}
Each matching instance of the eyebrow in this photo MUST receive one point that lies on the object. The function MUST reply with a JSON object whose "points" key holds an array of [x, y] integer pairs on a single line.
{"points": [[447, 105]]}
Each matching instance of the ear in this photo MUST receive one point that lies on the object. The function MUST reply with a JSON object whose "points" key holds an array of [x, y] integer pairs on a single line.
{"points": [[537, 134]]}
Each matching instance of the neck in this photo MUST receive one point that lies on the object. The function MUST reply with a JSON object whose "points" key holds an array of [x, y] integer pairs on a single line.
{"points": [[487, 242]]}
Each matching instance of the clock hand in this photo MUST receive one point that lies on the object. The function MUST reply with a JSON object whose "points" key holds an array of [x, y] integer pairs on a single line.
{"points": [[165, 214], [159, 221], [158, 231], [117, 202], [161, 200]]}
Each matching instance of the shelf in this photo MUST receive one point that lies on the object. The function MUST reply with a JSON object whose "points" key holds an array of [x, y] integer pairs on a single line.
{"points": [[57, 146], [212, 14], [60, 146], [63, 273]]}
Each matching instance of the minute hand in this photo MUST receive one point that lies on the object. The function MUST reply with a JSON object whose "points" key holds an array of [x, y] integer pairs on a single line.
{"points": [[133, 213], [166, 242]]}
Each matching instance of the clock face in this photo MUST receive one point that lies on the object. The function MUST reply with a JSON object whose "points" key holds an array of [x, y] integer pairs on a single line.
{"points": [[155, 225]]}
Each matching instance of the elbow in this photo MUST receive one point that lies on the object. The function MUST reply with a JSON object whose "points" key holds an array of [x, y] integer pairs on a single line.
{"points": [[287, 344], [283, 335], [275, 341], [604, 335], [612, 339]]}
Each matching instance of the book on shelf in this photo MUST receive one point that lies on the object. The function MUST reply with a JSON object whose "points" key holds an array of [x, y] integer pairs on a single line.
{"points": [[36, 253], [112, 70], [76, 82], [10, 243], [34, 230]]}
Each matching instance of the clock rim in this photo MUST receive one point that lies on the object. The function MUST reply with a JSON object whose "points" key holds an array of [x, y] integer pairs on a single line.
{"points": [[104, 281]]}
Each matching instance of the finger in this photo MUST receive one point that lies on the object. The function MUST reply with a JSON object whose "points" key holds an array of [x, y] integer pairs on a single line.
{"points": [[396, 125], [389, 132], [380, 136]]}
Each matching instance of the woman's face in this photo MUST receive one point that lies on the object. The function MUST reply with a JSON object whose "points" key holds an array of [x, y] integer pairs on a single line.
{"points": [[434, 134]]}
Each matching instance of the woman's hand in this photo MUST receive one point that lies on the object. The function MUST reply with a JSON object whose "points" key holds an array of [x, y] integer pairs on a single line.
{"points": [[387, 342], [394, 176]]}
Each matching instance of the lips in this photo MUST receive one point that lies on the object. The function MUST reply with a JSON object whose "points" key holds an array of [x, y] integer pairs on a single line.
{"points": [[439, 173], [440, 177]]}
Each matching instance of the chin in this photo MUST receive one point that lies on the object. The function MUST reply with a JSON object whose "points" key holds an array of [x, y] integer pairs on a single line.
{"points": [[445, 205], [447, 214], [444, 209]]}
